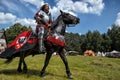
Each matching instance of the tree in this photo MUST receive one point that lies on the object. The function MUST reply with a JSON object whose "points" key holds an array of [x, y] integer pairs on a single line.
{"points": [[86, 41], [106, 44], [73, 42], [114, 34], [97, 41], [14, 30], [92, 41]]}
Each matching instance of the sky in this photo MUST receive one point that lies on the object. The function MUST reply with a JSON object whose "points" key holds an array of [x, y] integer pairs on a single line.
{"points": [[94, 14]]}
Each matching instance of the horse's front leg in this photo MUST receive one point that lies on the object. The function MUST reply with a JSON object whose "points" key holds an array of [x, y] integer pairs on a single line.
{"points": [[48, 56], [64, 59]]}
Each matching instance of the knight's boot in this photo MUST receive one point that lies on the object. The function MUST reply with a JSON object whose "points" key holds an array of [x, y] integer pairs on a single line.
{"points": [[41, 46]]}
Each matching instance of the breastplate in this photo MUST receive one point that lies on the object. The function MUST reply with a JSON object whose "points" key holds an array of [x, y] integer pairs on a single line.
{"points": [[46, 17]]}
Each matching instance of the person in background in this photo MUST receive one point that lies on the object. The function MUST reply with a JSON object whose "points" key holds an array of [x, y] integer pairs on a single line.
{"points": [[44, 21]]}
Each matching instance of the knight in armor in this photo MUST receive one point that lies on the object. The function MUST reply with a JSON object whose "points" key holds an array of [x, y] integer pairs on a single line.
{"points": [[44, 21]]}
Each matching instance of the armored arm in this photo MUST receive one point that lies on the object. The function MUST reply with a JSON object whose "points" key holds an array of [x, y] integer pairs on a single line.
{"points": [[38, 17]]}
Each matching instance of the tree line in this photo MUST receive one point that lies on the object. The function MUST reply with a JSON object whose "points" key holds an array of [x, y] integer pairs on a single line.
{"points": [[92, 40]]}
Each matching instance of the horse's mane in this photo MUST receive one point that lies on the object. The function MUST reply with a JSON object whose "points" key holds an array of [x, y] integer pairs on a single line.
{"points": [[55, 23]]}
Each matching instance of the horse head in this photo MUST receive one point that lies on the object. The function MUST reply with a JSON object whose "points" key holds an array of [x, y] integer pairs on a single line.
{"points": [[69, 18]]}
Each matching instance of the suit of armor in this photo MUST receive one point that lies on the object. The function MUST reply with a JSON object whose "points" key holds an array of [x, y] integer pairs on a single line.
{"points": [[42, 19]]}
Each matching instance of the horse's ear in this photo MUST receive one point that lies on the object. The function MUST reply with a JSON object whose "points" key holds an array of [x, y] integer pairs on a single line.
{"points": [[61, 11]]}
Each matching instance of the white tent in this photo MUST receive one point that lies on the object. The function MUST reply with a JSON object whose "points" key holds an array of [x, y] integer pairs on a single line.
{"points": [[114, 51]]}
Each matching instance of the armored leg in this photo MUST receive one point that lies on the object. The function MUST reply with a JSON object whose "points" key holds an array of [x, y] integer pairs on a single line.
{"points": [[40, 38]]}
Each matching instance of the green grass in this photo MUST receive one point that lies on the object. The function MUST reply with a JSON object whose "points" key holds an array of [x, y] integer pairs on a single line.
{"points": [[82, 68]]}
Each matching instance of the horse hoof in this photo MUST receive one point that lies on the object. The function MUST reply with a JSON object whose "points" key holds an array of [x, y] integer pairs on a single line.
{"points": [[42, 74], [19, 70], [25, 71], [70, 76]]}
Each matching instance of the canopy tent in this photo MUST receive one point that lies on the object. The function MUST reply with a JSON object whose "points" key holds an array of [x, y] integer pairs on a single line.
{"points": [[114, 51]]}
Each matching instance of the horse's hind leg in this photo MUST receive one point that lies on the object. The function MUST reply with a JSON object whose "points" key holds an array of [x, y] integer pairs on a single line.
{"points": [[19, 69], [22, 56], [24, 66], [64, 59], [48, 56]]}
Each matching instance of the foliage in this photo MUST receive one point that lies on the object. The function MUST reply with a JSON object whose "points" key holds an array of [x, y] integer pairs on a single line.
{"points": [[95, 41], [73, 42], [114, 34], [106, 44], [14, 30], [92, 41]]}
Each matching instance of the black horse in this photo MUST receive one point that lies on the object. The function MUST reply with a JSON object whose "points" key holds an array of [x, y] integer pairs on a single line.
{"points": [[57, 30]]}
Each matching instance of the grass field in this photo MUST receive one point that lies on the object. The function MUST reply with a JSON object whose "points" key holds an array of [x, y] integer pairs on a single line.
{"points": [[82, 68]]}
